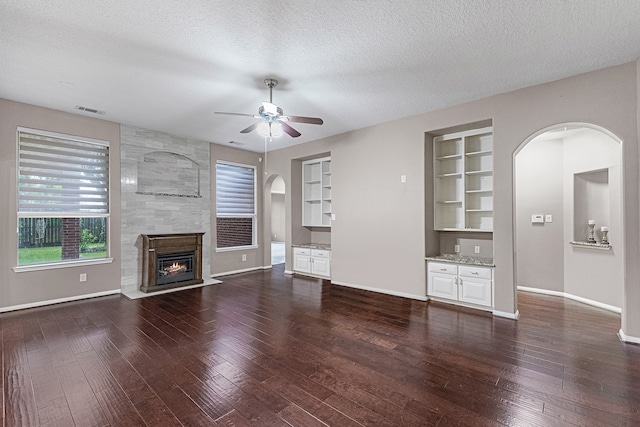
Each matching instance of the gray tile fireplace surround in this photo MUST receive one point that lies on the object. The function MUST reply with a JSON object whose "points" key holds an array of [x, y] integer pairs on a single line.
{"points": [[184, 207]]}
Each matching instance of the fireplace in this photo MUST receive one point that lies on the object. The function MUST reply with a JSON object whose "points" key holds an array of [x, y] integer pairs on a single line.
{"points": [[171, 261]]}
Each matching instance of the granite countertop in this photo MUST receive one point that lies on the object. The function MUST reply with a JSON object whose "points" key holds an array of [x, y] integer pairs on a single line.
{"points": [[323, 246], [460, 259]]}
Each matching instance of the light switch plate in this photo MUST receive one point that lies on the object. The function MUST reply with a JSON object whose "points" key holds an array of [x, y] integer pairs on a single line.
{"points": [[548, 218]]}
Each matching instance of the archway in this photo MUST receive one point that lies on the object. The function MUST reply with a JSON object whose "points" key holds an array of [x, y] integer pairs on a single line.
{"points": [[275, 220], [566, 176]]}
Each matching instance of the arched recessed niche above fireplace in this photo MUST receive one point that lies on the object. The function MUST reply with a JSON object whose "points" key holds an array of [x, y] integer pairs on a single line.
{"points": [[162, 173]]}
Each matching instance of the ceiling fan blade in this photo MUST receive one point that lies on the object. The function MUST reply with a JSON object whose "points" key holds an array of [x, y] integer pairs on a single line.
{"points": [[289, 130], [250, 128], [236, 114], [300, 119]]}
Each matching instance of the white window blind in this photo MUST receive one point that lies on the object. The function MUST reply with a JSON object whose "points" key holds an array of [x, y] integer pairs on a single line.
{"points": [[235, 190], [59, 175]]}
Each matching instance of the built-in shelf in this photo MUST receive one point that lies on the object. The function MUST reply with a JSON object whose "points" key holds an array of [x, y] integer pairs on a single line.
{"points": [[587, 245], [479, 153], [463, 184], [479, 173], [316, 192]]}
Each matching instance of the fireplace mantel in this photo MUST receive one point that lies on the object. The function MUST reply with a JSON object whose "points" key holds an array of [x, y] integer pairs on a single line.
{"points": [[159, 244]]}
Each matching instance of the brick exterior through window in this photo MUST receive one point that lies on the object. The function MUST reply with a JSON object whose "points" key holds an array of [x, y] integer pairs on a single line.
{"points": [[70, 238], [234, 232]]}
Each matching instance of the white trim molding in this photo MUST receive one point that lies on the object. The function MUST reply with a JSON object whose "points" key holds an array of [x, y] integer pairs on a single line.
{"points": [[58, 300], [507, 315], [572, 297], [289, 272], [381, 291], [62, 264], [627, 338], [244, 270]]}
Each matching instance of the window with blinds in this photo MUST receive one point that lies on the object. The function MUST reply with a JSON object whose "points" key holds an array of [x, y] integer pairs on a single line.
{"points": [[63, 197], [235, 205]]}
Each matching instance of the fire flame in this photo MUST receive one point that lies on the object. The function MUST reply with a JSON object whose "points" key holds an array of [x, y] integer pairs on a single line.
{"points": [[175, 268]]}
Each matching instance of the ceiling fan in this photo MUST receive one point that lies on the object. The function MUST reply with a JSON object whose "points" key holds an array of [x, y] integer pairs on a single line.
{"points": [[273, 121]]}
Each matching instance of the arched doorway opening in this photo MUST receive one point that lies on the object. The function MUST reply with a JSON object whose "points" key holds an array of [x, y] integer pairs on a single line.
{"points": [[566, 177], [275, 220]]}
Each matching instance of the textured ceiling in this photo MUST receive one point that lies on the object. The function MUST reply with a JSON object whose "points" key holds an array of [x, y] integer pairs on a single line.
{"points": [[169, 65]]}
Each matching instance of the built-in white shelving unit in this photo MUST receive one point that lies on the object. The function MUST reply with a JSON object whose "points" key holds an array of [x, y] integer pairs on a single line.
{"points": [[316, 192], [463, 172]]}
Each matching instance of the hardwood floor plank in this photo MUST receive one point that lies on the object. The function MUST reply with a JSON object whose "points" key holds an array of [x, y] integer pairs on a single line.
{"points": [[268, 349], [118, 409], [82, 402], [19, 401], [55, 414]]}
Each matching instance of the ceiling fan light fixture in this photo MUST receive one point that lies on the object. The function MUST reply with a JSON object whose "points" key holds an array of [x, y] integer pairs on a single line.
{"points": [[271, 109], [270, 129]]}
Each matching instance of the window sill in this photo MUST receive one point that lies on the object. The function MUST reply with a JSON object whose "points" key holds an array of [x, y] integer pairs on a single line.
{"points": [[63, 264], [236, 248]]}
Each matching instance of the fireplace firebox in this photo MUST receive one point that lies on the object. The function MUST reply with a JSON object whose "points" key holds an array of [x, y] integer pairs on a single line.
{"points": [[171, 260]]}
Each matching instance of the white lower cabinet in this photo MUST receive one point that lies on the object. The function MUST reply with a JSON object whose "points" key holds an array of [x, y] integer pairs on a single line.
{"points": [[314, 262], [302, 260], [460, 283]]}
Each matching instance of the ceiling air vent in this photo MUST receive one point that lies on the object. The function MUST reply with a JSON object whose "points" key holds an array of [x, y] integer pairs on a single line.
{"points": [[90, 110]]}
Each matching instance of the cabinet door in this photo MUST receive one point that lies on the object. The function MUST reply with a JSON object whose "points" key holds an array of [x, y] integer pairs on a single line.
{"points": [[321, 266], [476, 291], [443, 286], [302, 263]]}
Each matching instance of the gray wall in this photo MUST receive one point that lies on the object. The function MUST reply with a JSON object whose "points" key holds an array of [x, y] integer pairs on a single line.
{"points": [[545, 171], [378, 238], [593, 274], [231, 260], [540, 190], [25, 288], [278, 224]]}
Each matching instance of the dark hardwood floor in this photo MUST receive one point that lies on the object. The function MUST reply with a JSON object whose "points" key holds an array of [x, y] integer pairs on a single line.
{"points": [[265, 349]]}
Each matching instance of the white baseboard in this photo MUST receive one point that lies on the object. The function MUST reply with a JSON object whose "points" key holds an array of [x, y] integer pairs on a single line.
{"points": [[244, 270], [289, 272], [381, 291], [135, 294], [627, 338], [572, 297], [507, 315], [58, 300]]}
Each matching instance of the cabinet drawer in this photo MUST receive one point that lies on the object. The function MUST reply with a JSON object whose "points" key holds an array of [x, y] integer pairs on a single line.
{"points": [[302, 251], [320, 253], [441, 267], [473, 271]]}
